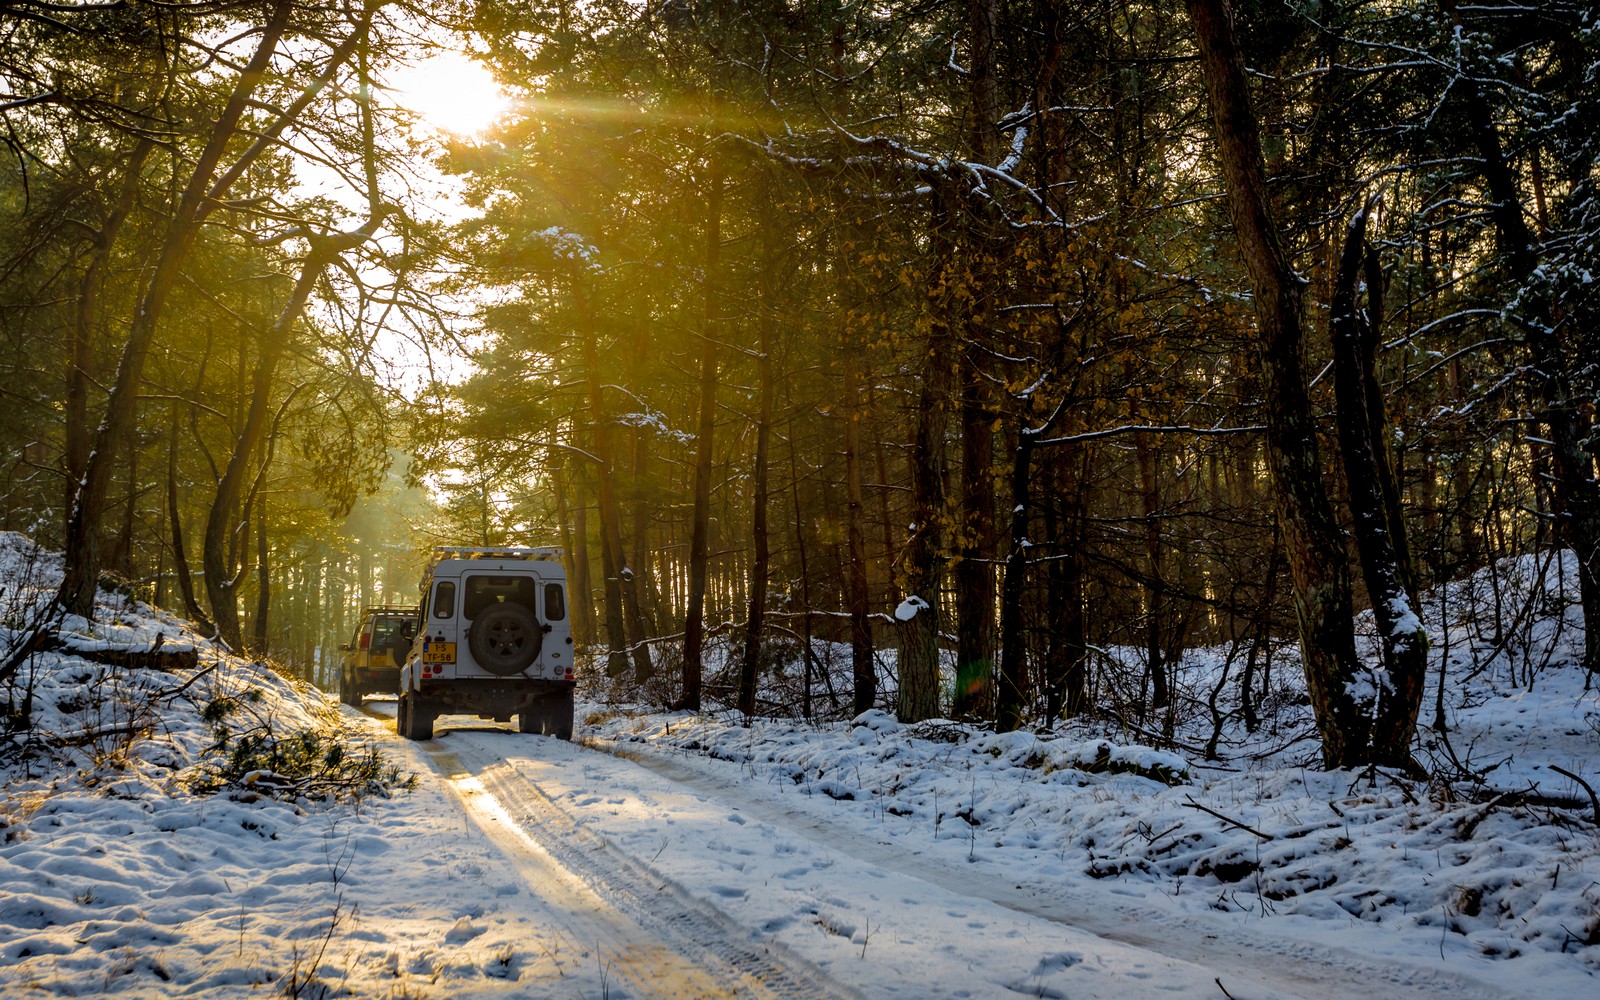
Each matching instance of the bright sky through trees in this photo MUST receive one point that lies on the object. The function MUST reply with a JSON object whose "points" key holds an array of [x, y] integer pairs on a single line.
{"points": [[450, 92]]}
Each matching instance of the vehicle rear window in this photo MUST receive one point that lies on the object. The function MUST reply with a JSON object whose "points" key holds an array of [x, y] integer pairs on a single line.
{"points": [[555, 602], [444, 599], [482, 591]]}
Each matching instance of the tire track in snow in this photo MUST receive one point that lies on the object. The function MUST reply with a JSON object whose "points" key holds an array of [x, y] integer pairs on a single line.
{"points": [[1304, 968], [660, 938]]}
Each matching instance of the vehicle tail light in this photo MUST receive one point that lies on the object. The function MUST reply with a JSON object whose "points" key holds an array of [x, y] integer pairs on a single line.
{"points": [[366, 640], [569, 673]]}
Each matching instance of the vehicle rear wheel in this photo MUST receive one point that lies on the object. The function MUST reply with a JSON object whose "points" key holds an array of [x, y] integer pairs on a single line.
{"points": [[422, 715], [347, 692], [531, 718], [558, 712], [414, 719]]}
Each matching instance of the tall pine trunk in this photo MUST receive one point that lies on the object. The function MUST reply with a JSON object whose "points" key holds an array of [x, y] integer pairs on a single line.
{"points": [[80, 353], [1564, 411], [923, 564], [1067, 651], [612, 570], [1335, 677], [974, 572], [1011, 695], [863, 674], [220, 524], [699, 539], [1380, 537], [575, 556], [258, 641], [766, 321]]}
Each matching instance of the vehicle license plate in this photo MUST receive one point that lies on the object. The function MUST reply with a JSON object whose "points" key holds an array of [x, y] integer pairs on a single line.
{"points": [[438, 652]]}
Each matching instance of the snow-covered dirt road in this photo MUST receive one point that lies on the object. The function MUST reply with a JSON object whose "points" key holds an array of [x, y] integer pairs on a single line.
{"points": [[692, 877]]}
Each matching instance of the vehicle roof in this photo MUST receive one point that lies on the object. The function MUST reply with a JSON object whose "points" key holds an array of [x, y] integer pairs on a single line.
{"points": [[539, 552], [504, 554]]}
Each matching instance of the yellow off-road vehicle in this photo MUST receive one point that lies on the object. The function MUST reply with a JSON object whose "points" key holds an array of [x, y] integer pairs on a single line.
{"points": [[372, 657]]}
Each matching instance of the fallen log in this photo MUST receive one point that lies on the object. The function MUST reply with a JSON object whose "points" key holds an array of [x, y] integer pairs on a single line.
{"points": [[155, 656]]}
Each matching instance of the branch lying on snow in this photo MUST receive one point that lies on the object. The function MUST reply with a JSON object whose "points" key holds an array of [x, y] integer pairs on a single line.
{"points": [[84, 737], [174, 692], [1191, 803], [1470, 826], [35, 641], [1156, 739], [1594, 800]]}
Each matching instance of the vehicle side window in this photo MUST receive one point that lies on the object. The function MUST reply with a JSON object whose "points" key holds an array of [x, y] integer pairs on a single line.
{"points": [[444, 599], [555, 602], [482, 591]]}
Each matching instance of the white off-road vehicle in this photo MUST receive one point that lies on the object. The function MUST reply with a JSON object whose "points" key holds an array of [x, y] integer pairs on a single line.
{"points": [[494, 642]]}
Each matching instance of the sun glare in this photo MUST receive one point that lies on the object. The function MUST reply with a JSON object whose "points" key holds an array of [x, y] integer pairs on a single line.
{"points": [[451, 93]]}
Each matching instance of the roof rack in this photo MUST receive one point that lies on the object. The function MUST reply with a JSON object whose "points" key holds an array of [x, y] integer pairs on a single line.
{"points": [[411, 608], [540, 552]]}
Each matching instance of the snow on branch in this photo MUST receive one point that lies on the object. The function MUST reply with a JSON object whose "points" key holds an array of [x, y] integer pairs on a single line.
{"points": [[1151, 429], [1441, 321]]}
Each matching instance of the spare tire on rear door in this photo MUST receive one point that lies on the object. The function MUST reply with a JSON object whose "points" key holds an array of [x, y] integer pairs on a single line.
{"points": [[399, 645], [505, 638]]}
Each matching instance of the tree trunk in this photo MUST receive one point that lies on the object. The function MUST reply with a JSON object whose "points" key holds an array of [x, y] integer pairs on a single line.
{"points": [[80, 353], [575, 550], [1389, 464], [180, 558], [645, 571], [760, 558], [82, 556], [923, 564], [1153, 587], [612, 569], [1335, 678], [258, 641], [1576, 495], [975, 583], [121, 561], [974, 572], [220, 524], [807, 654], [1067, 653], [1379, 539], [861, 666], [1013, 689], [699, 540]]}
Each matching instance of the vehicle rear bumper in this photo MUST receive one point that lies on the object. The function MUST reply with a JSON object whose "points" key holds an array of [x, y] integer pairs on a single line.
{"points": [[490, 697]]}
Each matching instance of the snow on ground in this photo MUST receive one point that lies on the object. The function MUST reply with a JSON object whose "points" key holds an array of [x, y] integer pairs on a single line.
{"points": [[146, 848], [167, 829]]}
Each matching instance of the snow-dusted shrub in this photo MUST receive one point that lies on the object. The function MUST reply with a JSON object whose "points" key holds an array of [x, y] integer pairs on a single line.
{"points": [[318, 761], [1102, 756], [138, 694]]}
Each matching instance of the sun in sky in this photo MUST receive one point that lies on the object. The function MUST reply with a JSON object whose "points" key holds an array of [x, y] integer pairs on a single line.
{"points": [[451, 93]]}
